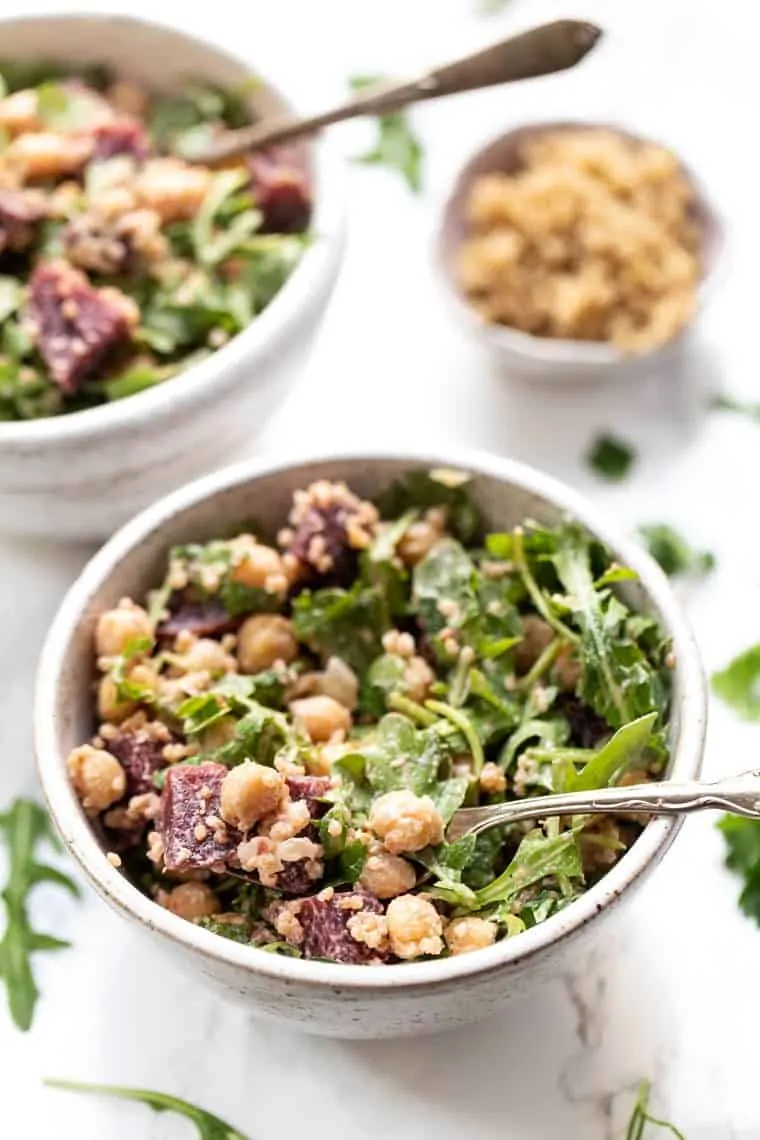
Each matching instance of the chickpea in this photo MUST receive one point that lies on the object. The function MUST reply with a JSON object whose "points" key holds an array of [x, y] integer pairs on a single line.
{"points": [[406, 822], [172, 188], [421, 537], [469, 933], [258, 566], [264, 639], [97, 776], [192, 900], [48, 155], [116, 628], [18, 112], [249, 792], [414, 927], [209, 656], [128, 98], [110, 706], [321, 718], [387, 876]]}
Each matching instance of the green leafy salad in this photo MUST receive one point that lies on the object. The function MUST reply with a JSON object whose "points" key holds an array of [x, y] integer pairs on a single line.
{"points": [[121, 261], [288, 725]]}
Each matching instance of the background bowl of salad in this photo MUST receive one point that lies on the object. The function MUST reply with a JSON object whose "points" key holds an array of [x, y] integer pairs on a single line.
{"points": [[407, 616], [153, 312]]}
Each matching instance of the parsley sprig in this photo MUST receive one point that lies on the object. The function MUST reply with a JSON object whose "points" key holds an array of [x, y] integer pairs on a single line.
{"points": [[209, 1127], [25, 825]]}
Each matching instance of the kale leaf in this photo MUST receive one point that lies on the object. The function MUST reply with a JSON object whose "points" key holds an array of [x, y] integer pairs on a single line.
{"points": [[209, 1127], [342, 623], [610, 457]]}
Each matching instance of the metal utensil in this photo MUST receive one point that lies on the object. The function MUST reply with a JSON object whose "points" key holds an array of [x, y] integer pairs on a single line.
{"points": [[541, 51], [738, 794]]}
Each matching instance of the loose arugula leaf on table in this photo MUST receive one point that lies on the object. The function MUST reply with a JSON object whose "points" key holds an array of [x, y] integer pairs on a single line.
{"points": [[25, 826], [641, 1117], [342, 623], [209, 1127], [726, 403], [738, 684], [611, 457], [618, 681], [397, 147], [742, 838], [673, 552]]}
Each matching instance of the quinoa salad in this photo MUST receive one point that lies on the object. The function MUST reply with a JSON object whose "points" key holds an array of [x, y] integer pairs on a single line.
{"points": [[288, 723], [121, 262]]}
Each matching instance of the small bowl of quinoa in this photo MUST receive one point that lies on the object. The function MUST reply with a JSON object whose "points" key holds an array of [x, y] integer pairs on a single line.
{"points": [[153, 310], [253, 735], [577, 250]]}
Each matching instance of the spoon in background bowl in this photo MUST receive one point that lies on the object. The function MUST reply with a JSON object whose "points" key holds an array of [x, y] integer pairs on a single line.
{"points": [[543, 50]]}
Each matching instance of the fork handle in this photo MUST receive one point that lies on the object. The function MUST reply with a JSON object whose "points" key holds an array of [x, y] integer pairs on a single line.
{"points": [[739, 795], [543, 50]]}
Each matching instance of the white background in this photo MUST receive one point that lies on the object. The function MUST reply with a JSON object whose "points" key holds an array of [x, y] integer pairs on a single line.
{"points": [[680, 1001]]}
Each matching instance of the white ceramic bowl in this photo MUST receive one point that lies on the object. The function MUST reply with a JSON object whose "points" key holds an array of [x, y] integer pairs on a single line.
{"points": [[80, 476], [545, 358], [333, 999]]}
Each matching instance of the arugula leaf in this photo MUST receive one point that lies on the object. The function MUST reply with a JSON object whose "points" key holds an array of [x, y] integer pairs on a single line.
{"points": [[67, 108], [612, 458], [259, 736], [537, 857], [641, 1116], [234, 931], [738, 684], [445, 575], [551, 733], [341, 623], [25, 825], [397, 146], [608, 764], [725, 403], [674, 554], [127, 690], [742, 838], [424, 488], [209, 1127], [136, 379], [617, 681], [211, 243]]}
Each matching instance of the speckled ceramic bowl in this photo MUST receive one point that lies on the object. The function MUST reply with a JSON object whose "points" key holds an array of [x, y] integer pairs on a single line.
{"points": [[333, 999], [545, 358], [80, 476]]}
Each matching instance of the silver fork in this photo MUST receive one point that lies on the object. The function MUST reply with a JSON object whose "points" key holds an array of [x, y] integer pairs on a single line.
{"points": [[739, 794]]}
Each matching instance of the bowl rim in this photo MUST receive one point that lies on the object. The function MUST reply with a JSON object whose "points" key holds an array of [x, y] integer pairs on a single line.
{"points": [[563, 351], [207, 378], [82, 843]]}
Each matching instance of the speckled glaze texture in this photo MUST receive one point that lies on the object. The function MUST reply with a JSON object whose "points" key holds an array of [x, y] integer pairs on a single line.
{"points": [[332, 999], [79, 477], [543, 358]]}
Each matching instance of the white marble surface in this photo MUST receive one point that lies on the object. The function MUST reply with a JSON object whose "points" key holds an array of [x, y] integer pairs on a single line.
{"points": [[679, 1001]]}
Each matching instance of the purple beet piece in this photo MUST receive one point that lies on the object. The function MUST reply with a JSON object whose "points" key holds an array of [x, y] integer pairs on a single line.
{"points": [[325, 928], [280, 186], [586, 727], [294, 879], [141, 756], [122, 136], [204, 619], [310, 788], [19, 213], [186, 809], [329, 526], [74, 324]]}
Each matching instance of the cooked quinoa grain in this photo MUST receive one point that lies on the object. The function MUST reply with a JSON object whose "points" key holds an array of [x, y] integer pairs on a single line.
{"points": [[593, 237], [283, 731]]}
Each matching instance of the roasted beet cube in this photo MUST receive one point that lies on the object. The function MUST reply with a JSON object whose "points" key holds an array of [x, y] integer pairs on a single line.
{"points": [[74, 324], [20, 211], [141, 756], [122, 136], [587, 728], [294, 879], [325, 927], [204, 619], [329, 525], [193, 830], [310, 789], [280, 186]]}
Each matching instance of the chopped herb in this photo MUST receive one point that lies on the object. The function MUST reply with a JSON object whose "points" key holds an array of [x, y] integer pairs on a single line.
{"points": [[674, 554], [739, 683], [25, 826], [612, 458], [341, 623], [209, 1127], [11, 295], [397, 146], [641, 1116], [742, 838], [491, 7]]}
